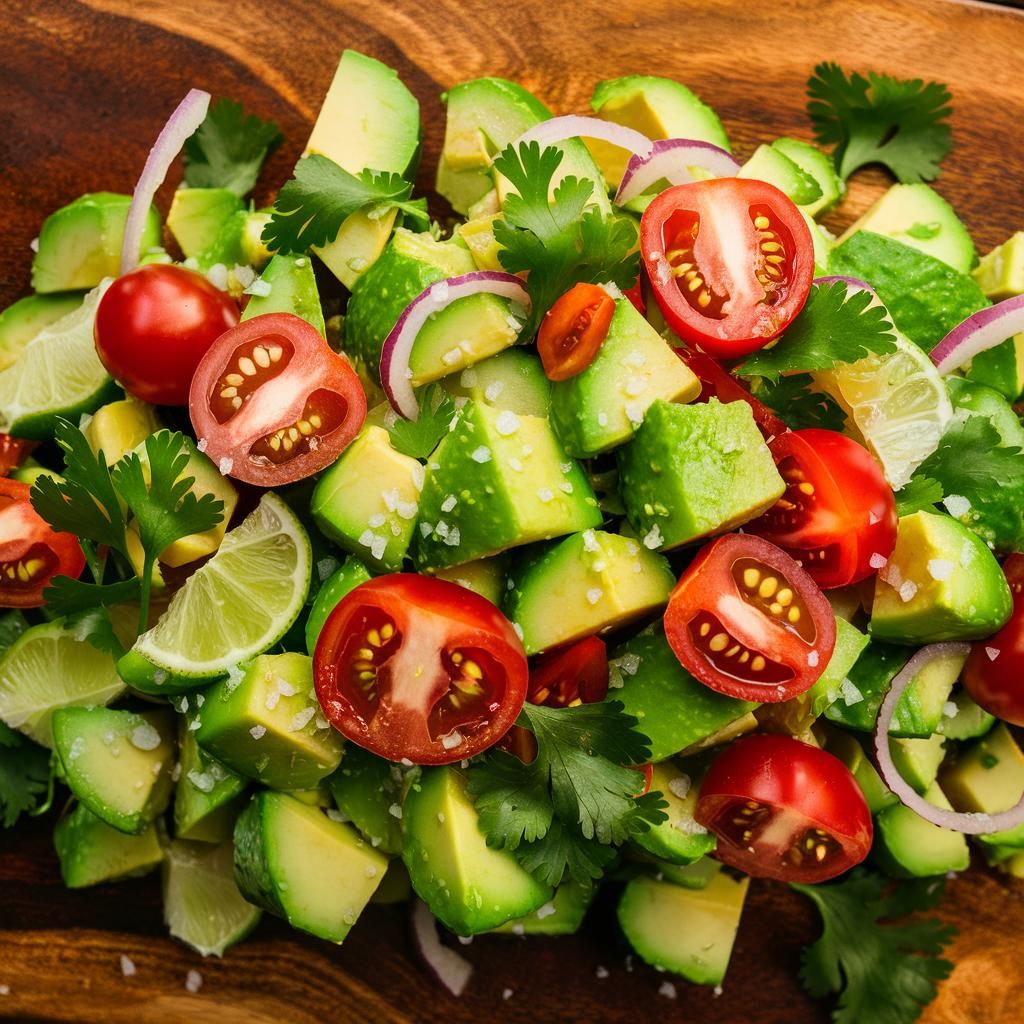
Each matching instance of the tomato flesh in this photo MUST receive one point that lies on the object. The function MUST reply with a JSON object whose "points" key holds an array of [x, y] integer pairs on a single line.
{"points": [[730, 261], [274, 403], [13, 452], [573, 330], [416, 668], [784, 809], [748, 622]]}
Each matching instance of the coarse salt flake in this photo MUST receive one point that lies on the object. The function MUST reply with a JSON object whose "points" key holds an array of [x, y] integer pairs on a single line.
{"points": [[301, 719], [545, 494], [507, 423], [877, 561], [452, 740], [145, 737], [667, 989], [481, 454], [680, 786], [225, 465], [193, 981], [127, 967], [992, 652], [395, 810], [940, 568], [653, 538], [908, 588], [493, 389], [449, 503], [257, 732], [594, 594], [956, 505]]}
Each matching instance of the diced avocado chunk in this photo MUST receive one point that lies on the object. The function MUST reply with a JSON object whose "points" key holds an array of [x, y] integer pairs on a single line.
{"points": [[22, 321], [941, 583], [395, 886], [823, 242], [512, 380], [918, 760], [819, 166], [602, 407], [205, 792], [688, 931], [849, 750], [908, 845], [92, 852], [368, 791], [673, 709], [485, 576], [197, 215], [696, 470], [292, 860], [118, 428], [963, 719], [287, 285], [1001, 368], [773, 166], [498, 481], [118, 763], [588, 583], [368, 500], [1000, 273], [80, 244], [239, 242], [468, 886], [850, 644], [478, 235], [268, 725], [341, 582], [972, 398], [697, 875], [679, 840], [561, 915]]}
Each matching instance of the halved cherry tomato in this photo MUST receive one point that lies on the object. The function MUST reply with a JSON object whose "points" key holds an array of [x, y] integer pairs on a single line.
{"points": [[636, 296], [273, 402], [13, 452], [784, 809], [994, 672], [31, 554], [573, 330], [415, 667], [154, 325], [730, 261], [838, 514], [747, 621]]}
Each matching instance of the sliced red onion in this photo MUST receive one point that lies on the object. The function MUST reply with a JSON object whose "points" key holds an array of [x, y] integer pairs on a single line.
{"points": [[187, 117], [452, 970], [978, 333], [852, 283], [395, 372], [671, 160], [972, 824], [573, 126]]}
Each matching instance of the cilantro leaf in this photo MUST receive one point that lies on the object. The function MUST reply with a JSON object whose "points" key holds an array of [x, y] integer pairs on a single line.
{"points": [[95, 626], [24, 775], [418, 438], [228, 149], [12, 624], [798, 404], [313, 205], [559, 242], [884, 973], [879, 119], [835, 326], [67, 596], [920, 494], [512, 800], [563, 850]]}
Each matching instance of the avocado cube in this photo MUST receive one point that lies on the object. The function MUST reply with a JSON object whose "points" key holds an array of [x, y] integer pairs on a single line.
{"points": [[206, 796], [602, 407], [117, 428], [24, 319], [767, 163], [849, 750], [1001, 368], [478, 235], [513, 380], [498, 481], [918, 760], [964, 720], [561, 915], [294, 861], [343, 581], [696, 470], [91, 852], [679, 840], [941, 583], [907, 845], [687, 931], [239, 242], [469, 886], [367, 789], [697, 875], [849, 646], [268, 725], [197, 215], [485, 576], [1000, 273], [588, 583], [818, 165], [395, 887], [287, 285]]}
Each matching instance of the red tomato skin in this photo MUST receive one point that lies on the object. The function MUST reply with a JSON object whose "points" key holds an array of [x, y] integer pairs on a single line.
{"points": [[784, 772], [573, 330], [636, 296], [426, 612], [739, 331], [13, 452], [996, 683], [577, 672], [155, 324]]}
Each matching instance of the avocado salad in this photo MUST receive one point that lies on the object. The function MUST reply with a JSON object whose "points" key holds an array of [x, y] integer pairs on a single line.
{"points": [[608, 522]]}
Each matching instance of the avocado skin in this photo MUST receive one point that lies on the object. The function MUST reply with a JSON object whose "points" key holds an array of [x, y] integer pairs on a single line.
{"points": [[252, 873]]}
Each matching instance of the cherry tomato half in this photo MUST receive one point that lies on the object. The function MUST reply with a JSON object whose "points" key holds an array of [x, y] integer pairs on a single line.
{"points": [[13, 452], [31, 554], [415, 667], [784, 809], [155, 324], [273, 402], [747, 621], [730, 261], [838, 514], [994, 672], [573, 330]]}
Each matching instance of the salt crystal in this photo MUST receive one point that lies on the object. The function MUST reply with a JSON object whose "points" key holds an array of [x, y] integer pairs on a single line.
{"points": [[680, 786], [145, 737], [243, 275], [507, 993], [907, 590], [950, 710], [203, 781], [877, 561], [327, 567], [992, 652], [967, 553], [378, 547], [594, 594], [565, 487], [812, 659], [653, 538], [602, 419], [507, 423], [452, 740], [601, 972], [127, 967], [630, 663], [494, 389], [217, 275], [439, 292], [449, 503], [452, 356], [407, 510], [390, 499], [481, 454], [850, 694], [193, 981], [667, 989], [545, 911], [395, 810], [34, 246], [590, 541], [516, 465], [202, 443], [225, 465], [301, 719], [940, 568], [545, 494], [468, 378], [956, 505], [635, 386], [260, 288]]}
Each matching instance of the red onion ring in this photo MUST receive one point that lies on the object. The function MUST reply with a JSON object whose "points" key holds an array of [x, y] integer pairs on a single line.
{"points": [[452, 970], [972, 824], [978, 333], [574, 126], [671, 159], [187, 117], [395, 373]]}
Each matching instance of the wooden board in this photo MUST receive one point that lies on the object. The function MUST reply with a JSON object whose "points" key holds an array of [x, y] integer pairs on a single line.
{"points": [[84, 88]]}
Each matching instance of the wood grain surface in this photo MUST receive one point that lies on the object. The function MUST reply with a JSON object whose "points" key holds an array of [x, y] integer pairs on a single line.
{"points": [[84, 88]]}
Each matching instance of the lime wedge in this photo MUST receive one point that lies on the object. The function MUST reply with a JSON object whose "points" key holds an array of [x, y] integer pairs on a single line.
{"points": [[202, 905], [49, 667], [58, 374], [898, 403], [240, 602]]}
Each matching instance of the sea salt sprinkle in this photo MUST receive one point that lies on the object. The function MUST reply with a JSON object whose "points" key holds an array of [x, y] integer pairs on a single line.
{"points": [[127, 967], [193, 981]]}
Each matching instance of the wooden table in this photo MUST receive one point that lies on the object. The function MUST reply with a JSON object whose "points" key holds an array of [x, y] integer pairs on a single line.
{"points": [[84, 88]]}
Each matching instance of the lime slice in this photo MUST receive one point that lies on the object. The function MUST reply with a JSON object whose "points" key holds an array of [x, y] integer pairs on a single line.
{"points": [[898, 403], [240, 602], [202, 905], [49, 667], [58, 374]]}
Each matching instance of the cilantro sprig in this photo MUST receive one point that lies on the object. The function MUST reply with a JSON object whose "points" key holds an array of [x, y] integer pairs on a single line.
{"points": [[25, 775], [882, 972], [418, 438], [880, 119], [567, 810], [559, 241], [797, 402]]}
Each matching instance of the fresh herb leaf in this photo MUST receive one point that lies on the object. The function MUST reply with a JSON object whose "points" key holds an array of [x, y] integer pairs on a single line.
{"points": [[228, 149], [559, 242], [313, 205], [564, 851], [67, 596], [835, 326], [24, 775], [418, 438], [96, 627], [902, 124], [12, 624], [884, 973], [922, 493], [798, 404]]}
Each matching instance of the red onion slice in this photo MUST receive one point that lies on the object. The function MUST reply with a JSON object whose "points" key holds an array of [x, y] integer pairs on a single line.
{"points": [[671, 160], [187, 117], [574, 126], [395, 372], [978, 333], [452, 970], [972, 824]]}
